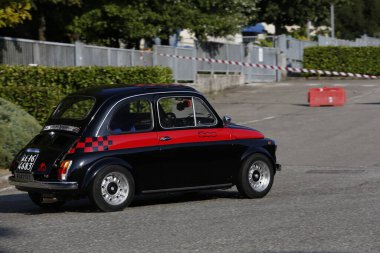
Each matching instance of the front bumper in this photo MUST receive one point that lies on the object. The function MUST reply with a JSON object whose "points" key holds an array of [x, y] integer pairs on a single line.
{"points": [[42, 185]]}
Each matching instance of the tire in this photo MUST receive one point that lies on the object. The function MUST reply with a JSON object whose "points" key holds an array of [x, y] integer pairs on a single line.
{"points": [[38, 200], [255, 177], [112, 189]]}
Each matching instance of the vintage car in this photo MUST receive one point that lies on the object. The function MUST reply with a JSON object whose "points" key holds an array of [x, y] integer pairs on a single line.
{"points": [[110, 143]]}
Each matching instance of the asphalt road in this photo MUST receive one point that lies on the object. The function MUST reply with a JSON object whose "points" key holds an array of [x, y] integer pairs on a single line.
{"points": [[326, 199]]}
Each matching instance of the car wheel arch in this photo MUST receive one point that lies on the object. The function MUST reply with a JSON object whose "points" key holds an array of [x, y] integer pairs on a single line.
{"points": [[258, 150], [99, 165]]}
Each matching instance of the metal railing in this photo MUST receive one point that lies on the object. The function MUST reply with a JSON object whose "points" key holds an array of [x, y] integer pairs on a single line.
{"points": [[32, 52], [26, 52], [363, 41]]}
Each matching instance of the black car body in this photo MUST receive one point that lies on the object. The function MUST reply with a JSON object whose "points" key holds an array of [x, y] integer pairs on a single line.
{"points": [[112, 143]]}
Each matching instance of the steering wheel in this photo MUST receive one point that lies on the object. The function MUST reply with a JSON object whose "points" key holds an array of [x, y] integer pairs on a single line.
{"points": [[169, 119]]}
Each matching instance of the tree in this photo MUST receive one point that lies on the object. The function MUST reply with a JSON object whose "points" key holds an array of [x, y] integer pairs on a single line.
{"points": [[48, 20], [283, 13], [220, 18], [358, 17], [14, 12], [109, 24], [44, 8]]}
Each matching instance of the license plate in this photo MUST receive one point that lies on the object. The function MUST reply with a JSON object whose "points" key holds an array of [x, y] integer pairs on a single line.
{"points": [[24, 176], [26, 162]]}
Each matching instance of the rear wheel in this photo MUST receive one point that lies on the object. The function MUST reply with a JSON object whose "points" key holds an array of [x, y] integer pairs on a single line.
{"points": [[113, 189], [37, 199], [255, 177]]}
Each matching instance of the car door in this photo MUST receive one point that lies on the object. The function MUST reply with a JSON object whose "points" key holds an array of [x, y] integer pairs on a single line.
{"points": [[131, 129], [195, 148]]}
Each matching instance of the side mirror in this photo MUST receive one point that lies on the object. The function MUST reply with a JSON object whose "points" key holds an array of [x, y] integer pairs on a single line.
{"points": [[226, 120]]}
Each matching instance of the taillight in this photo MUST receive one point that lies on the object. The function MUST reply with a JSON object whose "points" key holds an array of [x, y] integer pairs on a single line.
{"points": [[64, 169]]}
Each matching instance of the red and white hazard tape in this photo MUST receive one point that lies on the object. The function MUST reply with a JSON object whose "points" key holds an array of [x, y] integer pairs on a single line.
{"points": [[272, 67]]}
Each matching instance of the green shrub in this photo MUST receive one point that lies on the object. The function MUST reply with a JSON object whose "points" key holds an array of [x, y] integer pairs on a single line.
{"points": [[361, 60], [39, 89], [17, 128]]}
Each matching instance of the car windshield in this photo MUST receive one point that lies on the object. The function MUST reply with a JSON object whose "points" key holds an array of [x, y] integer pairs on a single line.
{"points": [[76, 108]]}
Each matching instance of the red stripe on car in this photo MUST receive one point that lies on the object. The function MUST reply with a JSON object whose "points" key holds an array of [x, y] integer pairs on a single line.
{"points": [[169, 137]]}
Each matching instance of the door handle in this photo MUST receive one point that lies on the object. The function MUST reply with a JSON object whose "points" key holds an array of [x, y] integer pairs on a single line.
{"points": [[165, 138]]}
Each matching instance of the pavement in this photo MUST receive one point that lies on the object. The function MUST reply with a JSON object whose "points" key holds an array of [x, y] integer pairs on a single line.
{"points": [[326, 198], [4, 174]]}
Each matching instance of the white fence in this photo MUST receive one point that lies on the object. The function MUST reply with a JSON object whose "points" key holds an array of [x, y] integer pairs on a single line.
{"points": [[363, 41], [293, 49], [26, 52]]}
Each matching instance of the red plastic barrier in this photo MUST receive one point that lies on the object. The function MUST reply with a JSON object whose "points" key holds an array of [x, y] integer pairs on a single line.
{"points": [[327, 96]]}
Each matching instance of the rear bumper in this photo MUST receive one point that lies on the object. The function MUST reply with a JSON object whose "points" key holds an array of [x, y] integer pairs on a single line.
{"points": [[278, 167], [42, 185]]}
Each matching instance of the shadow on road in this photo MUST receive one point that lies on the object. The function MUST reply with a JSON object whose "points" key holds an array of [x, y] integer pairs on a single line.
{"points": [[303, 105], [304, 252], [172, 198], [20, 203], [369, 103]]}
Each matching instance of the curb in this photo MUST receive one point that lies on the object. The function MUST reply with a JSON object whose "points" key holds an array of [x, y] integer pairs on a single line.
{"points": [[4, 181], [4, 178]]}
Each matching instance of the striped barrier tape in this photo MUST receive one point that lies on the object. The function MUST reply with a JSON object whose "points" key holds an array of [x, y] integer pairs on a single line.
{"points": [[272, 67]]}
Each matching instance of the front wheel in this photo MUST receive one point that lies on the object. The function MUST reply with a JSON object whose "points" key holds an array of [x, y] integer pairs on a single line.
{"points": [[113, 189], [255, 177]]}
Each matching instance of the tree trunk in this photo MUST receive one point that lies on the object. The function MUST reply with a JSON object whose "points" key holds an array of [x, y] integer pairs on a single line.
{"points": [[280, 29], [41, 27]]}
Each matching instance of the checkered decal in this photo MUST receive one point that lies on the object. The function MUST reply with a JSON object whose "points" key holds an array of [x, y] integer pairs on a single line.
{"points": [[91, 144]]}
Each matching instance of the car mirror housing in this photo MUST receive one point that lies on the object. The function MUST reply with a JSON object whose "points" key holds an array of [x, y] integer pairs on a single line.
{"points": [[227, 120]]}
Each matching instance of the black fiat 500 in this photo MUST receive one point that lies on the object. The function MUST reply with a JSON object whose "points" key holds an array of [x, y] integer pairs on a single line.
{"points": [[112, 143]]}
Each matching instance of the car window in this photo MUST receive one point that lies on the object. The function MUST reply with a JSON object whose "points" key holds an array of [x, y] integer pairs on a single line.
{"points": [[176, 112], [204, 116], [133, 116], [76, 108]]}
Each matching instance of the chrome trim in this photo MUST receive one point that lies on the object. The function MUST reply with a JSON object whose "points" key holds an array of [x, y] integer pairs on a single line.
{"points": [[115, 188], [216, 186], [194, 114], [62, 127], [166, 138], [43, 185], [210, 111], [259, 176], [32, 150], [193, 106], [159, 117], [138, 95], [135, 132]]}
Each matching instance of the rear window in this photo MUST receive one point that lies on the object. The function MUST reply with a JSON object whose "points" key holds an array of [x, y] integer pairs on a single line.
{"points": [[75, 108]]}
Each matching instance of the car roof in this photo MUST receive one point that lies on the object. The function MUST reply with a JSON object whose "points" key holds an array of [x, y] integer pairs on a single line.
{"points": [[105, 92]]}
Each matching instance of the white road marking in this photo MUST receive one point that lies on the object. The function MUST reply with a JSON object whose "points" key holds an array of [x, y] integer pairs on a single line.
{"points": [[257, 120], [368, 85]]}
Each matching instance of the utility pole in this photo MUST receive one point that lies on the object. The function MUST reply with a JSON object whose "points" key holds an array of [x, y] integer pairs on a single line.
{"points": [[308, 28], [332, 15]]}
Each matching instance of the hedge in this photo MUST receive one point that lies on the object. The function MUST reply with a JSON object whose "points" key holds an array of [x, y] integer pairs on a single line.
{"points": [[17, 128], [361, 60], [39, 89]]}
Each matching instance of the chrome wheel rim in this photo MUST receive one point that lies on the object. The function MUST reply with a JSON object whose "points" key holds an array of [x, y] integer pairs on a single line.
{"points": [[259, 176], [114, 188]]}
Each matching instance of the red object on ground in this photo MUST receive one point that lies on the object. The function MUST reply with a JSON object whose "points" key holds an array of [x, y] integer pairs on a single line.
{"points": [[327, 96]]}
